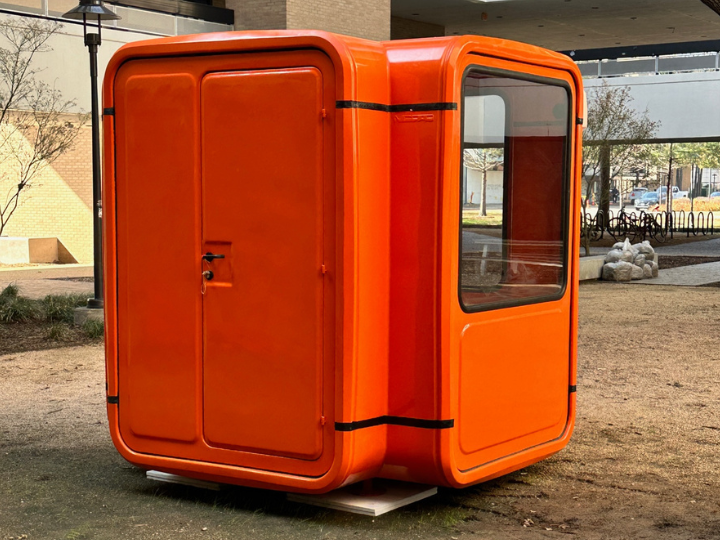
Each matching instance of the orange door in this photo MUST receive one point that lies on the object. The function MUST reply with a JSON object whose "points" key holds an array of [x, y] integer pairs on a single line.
{"points": [[263, 308], [514, 313], [227, 156]]}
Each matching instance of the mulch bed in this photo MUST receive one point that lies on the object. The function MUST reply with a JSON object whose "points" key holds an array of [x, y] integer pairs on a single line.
{"points": [[668, 261], [34, 336]]}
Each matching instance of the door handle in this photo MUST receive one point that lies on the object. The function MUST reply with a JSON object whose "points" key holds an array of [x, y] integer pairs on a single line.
{"points": [[210, 257]]}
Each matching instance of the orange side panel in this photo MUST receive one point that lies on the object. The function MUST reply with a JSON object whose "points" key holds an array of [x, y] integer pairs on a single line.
{"points": [[263, 312], [157, 253], [414, 240], [513, 393], [373, 215]]}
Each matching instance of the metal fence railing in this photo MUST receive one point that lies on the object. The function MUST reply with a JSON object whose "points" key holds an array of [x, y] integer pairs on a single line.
{"points": [[652, 65], [658, 226]]}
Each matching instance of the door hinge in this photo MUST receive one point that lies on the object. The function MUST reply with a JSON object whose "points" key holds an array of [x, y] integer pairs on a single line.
{"points": [[322, 420], [323, 113], [323, 270]]}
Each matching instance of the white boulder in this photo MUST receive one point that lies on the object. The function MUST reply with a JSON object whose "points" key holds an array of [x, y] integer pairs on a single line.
{"points": [[617, 271], [636, 272]]}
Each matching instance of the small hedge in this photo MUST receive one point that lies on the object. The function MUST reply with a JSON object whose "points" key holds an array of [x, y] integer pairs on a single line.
{"points": [[57, 310], [701, 204]]}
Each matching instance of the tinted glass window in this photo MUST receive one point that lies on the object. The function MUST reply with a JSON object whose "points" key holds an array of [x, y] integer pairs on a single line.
{"points": [[515, 142]]}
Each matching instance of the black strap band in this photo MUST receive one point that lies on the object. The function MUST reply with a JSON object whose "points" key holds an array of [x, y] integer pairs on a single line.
{"points": [[394, 421], [113, 400], [405, 107]]}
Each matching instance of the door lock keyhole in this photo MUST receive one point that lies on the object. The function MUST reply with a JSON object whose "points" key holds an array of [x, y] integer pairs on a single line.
{"points": [[208, 275]]}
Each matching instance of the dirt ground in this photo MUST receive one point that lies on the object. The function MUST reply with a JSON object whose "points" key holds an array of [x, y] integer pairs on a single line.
{"points": [[642, 463]]}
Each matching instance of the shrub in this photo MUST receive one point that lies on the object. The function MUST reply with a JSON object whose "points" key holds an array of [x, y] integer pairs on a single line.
{"points": [[701, 204], [679, 204], [94, 329], [61, 308], [9, 292], [15, 308], [704, 204], [58, 332], [18, 309]]}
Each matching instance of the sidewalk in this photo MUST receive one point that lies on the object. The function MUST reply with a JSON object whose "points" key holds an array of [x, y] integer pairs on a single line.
{"points": [[38, 281], [683, 276], [686, 276], [704, 248]]}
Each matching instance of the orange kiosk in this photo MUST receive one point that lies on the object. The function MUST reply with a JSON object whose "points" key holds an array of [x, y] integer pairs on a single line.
{"points": [[293, 300]]}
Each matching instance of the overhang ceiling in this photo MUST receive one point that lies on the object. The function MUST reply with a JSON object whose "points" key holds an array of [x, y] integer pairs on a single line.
{"points": [[570, 24]]}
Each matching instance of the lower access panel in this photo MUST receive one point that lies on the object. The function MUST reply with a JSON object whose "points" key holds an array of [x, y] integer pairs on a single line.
{"points": [[262, 139]]}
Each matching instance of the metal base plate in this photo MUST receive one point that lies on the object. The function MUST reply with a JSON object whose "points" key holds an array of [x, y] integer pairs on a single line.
{"points": [[184, 480], [384, 496]]}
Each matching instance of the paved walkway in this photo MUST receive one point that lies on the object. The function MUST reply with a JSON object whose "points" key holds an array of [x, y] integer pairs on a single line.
{"points": [[40, 288], [686, 276], [39, 281], [701, 248]]}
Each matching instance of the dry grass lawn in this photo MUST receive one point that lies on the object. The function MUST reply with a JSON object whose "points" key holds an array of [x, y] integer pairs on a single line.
{"points": [[642, 463]]}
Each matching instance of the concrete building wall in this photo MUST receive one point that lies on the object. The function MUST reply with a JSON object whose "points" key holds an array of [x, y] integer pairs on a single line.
{"points": [[60, 202], [686, 104], [494, 188]]}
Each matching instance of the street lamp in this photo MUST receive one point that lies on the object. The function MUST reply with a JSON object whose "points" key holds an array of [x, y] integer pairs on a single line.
{"points": [[93, 11]]}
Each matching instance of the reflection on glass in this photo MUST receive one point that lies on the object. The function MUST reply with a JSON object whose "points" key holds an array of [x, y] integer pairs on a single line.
{"points": [[513, 185]]}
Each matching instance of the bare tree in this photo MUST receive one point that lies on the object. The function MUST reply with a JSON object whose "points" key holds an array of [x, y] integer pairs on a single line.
{"points": [[483, 160], [34, 125], [613, 143]]}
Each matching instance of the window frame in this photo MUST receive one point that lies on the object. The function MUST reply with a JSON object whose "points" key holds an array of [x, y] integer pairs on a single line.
{"points": [[566, 172]]}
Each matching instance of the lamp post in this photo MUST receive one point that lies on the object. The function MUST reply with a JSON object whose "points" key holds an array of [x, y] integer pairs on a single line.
{"points": [[93, 11]]}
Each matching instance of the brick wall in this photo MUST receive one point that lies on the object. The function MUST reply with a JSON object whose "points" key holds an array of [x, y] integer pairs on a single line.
{"points": [[408, 29], [258, 14], [59, 203], [368, 19]]}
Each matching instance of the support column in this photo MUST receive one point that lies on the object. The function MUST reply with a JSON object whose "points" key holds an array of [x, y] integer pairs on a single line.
{"points": [[369, 19]]}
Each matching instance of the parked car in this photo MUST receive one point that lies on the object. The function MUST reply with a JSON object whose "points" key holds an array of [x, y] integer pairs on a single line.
{"points": [[715, 194], [680, 195], [637, 193], [662, 193], [648, 200]]}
